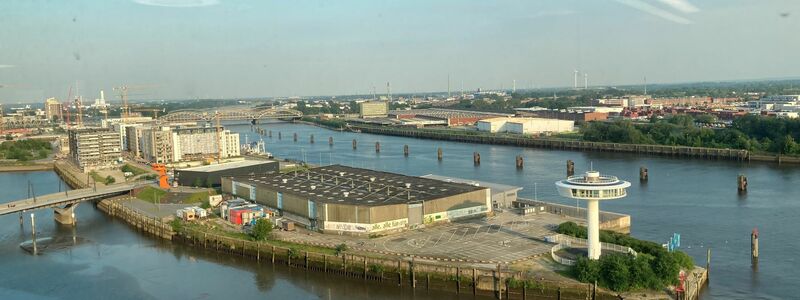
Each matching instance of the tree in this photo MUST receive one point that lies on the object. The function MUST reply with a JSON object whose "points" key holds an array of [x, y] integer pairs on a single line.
{"points": [[109, 180], [262, 229], [586, 270], [614, 271]]}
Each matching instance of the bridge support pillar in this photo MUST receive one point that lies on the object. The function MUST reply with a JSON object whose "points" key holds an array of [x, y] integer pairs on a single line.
{"points": [[65, 215]]}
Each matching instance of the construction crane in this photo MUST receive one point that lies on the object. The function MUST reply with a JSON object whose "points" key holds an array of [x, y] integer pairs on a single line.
{"points": [[79, 104], [161, 169], [123, 94]]}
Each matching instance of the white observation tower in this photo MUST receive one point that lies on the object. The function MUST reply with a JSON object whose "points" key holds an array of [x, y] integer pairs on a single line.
{"points": [[593, 188]]}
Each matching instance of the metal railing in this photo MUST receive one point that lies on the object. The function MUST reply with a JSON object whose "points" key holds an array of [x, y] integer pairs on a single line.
{"points": [[564, 241]]}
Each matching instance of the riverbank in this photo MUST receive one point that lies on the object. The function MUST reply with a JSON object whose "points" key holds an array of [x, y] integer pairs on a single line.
{"points": [[568, 144], [561, 144], [499, 281], [20, 167]]}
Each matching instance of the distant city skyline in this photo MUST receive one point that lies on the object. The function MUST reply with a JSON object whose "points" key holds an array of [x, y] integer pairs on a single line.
{"points": [[187, 49]]}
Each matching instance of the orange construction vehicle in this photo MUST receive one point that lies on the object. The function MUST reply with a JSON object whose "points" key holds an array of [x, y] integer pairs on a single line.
{"points": [[162, 175]]}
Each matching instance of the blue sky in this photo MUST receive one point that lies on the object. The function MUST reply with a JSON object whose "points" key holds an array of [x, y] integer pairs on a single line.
{"points": [[227, 48]]}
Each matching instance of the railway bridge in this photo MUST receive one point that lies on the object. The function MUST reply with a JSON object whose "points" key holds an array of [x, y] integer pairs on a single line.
{"points": [[231, 114]]}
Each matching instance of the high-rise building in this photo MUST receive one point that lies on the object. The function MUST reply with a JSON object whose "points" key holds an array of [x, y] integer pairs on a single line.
{"points": [[52, 109], [167, 144], [94, 148], [373, 109]]}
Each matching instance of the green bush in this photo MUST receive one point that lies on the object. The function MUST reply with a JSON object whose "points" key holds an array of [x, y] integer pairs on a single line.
{"points": [[293, 253], [340, 248], [376, 268], [261, 230], [109, 180], [653, 267], [586, 270]]}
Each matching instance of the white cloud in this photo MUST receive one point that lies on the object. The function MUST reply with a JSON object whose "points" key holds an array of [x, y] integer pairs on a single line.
{"points": [[6, 66], [653, 10], [681, 5], [178, 3]]}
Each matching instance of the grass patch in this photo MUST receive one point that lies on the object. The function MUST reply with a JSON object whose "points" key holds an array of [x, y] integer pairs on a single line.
{"points": [[129, 168], [97, 177], [244, 236], [150, 194], [199, 197], [297, 168]]}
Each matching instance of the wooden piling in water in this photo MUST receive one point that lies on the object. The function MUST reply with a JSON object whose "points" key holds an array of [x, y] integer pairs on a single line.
{"points": [[279, 135], [355, 144], [520, 162], [294, 137], [439, 153], [270, 134], [377, 147], [405, 150], [570, 168], [742, 183], [311, 139], [476, 158], [330, 141], [643, 174], [754, 246]]}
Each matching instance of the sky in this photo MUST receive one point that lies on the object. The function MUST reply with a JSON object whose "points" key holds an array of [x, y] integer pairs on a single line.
{"points": [[188, 49]]}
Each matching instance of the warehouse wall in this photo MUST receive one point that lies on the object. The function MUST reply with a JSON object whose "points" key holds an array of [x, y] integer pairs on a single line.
{"points": [[226, 185], [295, 205], [388, 213], [464, 200], [267, 197]]}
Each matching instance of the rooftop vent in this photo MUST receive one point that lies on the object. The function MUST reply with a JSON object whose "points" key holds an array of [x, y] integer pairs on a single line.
{"points": [[313, 187], [408, 185], [345, 194], [372, 179], [285, 180], [341, 173]]}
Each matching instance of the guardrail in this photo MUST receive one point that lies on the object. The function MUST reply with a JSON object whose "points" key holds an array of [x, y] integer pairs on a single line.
{"points": [[564, 241]]}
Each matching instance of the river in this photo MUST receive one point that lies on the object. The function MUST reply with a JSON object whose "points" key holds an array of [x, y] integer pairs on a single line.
{"points": [[695, 198]]}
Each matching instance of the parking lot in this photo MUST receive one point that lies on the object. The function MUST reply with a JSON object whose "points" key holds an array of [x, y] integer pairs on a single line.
{"points": [[505, 237]]}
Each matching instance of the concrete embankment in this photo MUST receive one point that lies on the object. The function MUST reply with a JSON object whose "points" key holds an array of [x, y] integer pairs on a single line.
{"points": [[403, 271], [142, 222], [561, 144], [26, 168], [71, 175]]}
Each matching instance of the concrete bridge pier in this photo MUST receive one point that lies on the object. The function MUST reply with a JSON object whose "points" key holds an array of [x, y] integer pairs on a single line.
{"points": [[65, 215]]}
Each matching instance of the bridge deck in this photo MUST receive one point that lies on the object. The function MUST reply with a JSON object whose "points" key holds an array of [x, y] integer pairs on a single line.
{"points": [[73, 196]]}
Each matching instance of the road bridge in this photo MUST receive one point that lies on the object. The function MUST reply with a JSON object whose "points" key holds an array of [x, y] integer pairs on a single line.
{"points": [[231, 114], [64, 203]]}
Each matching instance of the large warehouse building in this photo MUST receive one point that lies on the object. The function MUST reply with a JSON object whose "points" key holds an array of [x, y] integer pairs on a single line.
{"points": [[525, 125], [210, 175], [340, 199]]}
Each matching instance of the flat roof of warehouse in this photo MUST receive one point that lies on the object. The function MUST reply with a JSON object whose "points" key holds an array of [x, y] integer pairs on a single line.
{"points": [[495, 187], [226, 166], [339, 184]]}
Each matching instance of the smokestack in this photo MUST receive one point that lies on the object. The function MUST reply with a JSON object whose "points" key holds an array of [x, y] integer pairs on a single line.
{"points": [[585, 81], [514, 86], [388, 91], [575, 80], [102, 97]]}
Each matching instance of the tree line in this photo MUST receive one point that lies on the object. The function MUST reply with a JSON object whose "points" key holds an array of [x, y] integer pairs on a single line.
{"points": [[752, 132]]}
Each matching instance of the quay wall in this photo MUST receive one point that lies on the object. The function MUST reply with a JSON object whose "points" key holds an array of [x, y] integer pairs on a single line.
{"points": [[151, 225], [608, 220]]}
